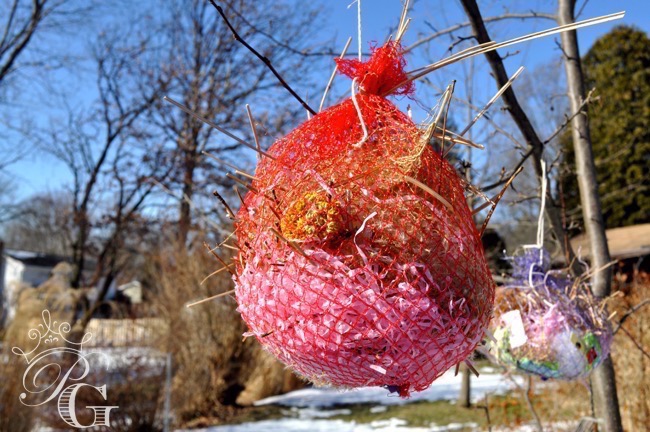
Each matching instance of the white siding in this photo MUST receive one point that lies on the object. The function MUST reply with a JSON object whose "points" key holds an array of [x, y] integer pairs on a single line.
{"points": [[13, 275]]}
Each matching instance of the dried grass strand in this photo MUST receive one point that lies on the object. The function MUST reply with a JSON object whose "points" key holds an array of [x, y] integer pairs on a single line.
{"points": [[198, 302], [331, 80], [430, 191], [491, 46], [488, 106]]}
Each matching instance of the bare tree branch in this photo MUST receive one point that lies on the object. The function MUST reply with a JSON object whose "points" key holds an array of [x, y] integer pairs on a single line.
{"points": [[24, 21], [264, 59], [569, 119], [522, 121], [12, 48], [212, 74], [634, 341], [302, 52], [506, 176], [629, 313]]}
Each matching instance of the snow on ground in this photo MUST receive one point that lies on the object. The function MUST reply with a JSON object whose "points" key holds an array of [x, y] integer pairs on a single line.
{"points": [[121, 358], [309, 408], [297, 425], [301, 425], [444, 388]]}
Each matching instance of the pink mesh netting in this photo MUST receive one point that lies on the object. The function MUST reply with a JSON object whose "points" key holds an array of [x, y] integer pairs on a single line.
{"points": [[348, 271]]}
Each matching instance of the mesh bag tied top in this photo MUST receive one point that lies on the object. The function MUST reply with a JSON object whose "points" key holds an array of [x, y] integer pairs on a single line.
{"points": [[347, 272], [548, 325]]}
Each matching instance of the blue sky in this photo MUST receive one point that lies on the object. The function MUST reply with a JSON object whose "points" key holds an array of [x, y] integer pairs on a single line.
{"points": [[39, 172], [378, 16]]}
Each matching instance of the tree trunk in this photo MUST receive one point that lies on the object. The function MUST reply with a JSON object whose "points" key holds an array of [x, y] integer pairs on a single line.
{"points": [[464, 396], [185, 210], [79, 248], [604, 382]]}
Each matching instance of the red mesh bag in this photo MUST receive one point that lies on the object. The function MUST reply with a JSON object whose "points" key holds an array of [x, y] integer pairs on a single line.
{"points": [[349, 271]]}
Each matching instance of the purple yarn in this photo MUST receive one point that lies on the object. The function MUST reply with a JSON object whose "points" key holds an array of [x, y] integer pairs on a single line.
{"points": [[533, 266], [532, 259]]}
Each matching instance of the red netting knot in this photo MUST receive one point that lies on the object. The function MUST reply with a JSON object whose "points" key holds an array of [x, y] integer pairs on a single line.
{"points": [[383, 73]]}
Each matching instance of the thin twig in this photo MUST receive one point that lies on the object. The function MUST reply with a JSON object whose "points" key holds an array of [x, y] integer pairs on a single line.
{"points": [[471, 367], [638, 345], [403, 22], [403, 30], [224, 241], [566, 122], [359, 38], [486, 408], [591, 272], [487, 413], [241, 198], [490, 336], [272, 208], [506, 178], [629, 313], [226, 266], [457, 139], [242, 182], [191, 203], [229, 212], [497, 199], [444, 120], [264, 59], [254, 129], [538, 422], [214, 125], [282, 44], [228, 164], [292, 244], [446, 97], [482, 207], [582, 8], [494, 125]]}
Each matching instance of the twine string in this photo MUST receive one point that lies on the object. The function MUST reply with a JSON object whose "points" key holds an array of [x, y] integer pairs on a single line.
{"points": [[540, 227]]}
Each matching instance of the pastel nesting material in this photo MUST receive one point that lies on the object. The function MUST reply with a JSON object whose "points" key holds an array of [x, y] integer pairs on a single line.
{"points": [[548, 324], [349, 271]]}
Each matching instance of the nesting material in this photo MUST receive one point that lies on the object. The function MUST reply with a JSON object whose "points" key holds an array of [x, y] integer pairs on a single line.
{"points": [[548, 324], [359, 260]]}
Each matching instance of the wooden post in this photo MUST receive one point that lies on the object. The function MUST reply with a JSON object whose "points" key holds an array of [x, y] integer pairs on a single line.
{"points": [[464, 399]]}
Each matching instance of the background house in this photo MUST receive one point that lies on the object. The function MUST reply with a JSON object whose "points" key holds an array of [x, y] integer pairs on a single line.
{"points": [[21, 270], [629, 246]]}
